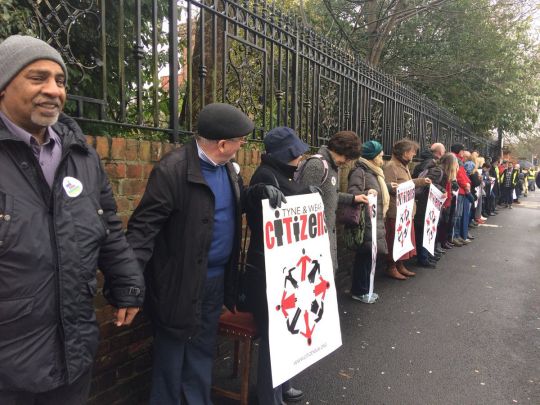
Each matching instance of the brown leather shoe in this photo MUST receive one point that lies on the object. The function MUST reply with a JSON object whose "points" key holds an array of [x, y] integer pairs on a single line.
{"points": [[394, 273], [403, 270]]}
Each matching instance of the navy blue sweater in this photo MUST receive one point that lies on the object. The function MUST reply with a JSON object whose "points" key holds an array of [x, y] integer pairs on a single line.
{"points": [[224, 217]]}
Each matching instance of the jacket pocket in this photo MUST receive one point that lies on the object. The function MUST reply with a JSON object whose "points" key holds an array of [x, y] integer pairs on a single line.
{"points": [[92, 287], [6, 217], [11, 310]]}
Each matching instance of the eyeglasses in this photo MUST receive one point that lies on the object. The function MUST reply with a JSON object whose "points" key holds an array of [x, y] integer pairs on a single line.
{"points": [[241, 139]]}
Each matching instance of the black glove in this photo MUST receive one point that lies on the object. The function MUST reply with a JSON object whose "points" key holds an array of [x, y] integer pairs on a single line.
{"points": [[315, 189], [274, 195], [455, 185]]}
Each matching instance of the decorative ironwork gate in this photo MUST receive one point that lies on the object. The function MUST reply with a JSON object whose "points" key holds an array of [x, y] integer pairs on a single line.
{"points": [[152, 64]]}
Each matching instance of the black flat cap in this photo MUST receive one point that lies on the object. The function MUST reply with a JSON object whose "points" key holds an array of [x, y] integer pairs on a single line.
{"points": [[223, 121]]}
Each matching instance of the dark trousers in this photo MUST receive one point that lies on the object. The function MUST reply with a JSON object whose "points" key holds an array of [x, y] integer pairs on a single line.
{"points": [[507, 195], [491, 202], [422, 253], [361, 272], [464, 233], [73, 394], [444, 230], [458, 217], [519, 189], [183, 368], [266, 394]]}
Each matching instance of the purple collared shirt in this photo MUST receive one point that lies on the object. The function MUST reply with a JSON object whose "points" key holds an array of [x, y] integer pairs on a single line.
{"points": [[48, 155]]}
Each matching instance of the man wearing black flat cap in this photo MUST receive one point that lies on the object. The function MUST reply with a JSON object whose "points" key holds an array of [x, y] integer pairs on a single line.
{"points": [[186, 234]]}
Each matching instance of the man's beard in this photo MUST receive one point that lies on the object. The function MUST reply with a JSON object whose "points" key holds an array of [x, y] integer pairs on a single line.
{"points": [[44, 121], [40, 115]]}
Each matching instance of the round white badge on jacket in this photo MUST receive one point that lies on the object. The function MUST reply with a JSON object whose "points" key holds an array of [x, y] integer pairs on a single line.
{"points": [[72, 186], [334, 181]]}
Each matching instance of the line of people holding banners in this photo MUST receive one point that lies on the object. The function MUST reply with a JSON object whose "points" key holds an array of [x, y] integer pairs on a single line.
{"points": [[187, 230], [58, 223]]}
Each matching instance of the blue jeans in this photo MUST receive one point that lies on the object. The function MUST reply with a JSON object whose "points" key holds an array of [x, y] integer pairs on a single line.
{"points": [[458, 217], [464, 232], [185, 366]]}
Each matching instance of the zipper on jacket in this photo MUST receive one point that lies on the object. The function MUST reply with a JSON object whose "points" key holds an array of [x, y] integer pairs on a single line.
{"points": [[56, 252]]}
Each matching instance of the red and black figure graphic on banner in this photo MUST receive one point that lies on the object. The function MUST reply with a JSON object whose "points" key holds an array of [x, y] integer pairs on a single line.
{"points": [[403, 227], [404, 219], [431, 230], [312, 290], [435, 202], [304, 260], [303, 316]]}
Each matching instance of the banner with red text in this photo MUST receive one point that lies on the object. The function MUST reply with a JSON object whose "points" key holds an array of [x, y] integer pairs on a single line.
{"points": [[434, 205], [404, 219], [302, 302]]}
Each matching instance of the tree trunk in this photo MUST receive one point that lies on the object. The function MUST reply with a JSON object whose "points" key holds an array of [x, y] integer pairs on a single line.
{"points": [[205, 66]]}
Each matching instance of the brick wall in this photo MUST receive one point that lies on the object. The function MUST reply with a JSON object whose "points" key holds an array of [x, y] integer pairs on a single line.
{"points": [[123, 362]]}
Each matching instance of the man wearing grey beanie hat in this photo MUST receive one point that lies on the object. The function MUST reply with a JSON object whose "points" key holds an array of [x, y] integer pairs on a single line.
{"points": [[32, 84], [57, 222], [18, 51]]}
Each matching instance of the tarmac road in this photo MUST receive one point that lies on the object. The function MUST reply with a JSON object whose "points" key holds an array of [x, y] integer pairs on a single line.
{"points": [[467, 332]]}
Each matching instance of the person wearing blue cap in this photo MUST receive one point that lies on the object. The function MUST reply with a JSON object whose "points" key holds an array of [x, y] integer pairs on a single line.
{"points": [[284, 150]]}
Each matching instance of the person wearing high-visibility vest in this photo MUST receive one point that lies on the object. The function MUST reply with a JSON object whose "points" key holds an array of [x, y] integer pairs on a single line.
{"points": [[508, 179], [525, 182], [530, 179]]}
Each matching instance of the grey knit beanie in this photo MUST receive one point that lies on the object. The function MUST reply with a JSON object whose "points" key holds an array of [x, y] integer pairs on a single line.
{"points": [[18, 51]]}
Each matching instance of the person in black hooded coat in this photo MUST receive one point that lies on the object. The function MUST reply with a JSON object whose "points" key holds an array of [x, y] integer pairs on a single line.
{"points": [[283, 152], [428, 167]]}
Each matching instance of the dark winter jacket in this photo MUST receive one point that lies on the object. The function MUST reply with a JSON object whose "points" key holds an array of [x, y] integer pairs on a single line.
{"points": [[362, 179], [50, 247], [281, 175], [430, 168], [171, 232]]}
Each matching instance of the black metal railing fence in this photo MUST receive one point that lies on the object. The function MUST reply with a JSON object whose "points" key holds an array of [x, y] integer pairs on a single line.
{"points": [[152, 64]]}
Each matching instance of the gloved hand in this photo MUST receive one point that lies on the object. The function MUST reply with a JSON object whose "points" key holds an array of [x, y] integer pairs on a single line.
{"points": [[274, 195], [315, 189], [455, 185]]}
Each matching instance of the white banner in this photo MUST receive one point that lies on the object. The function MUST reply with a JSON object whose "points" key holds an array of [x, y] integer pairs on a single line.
{"points": [[302, 302], [431, 220], [404, 219], [372, 207]]}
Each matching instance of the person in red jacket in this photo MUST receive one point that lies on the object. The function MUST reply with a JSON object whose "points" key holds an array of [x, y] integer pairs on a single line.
{"points": [[463, 205]]}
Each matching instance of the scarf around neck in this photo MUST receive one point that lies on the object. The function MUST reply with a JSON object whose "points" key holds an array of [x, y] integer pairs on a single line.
{"points": [[382, 184]]}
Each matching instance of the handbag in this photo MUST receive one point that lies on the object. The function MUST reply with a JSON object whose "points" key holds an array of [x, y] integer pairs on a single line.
{"points": [[353, 235], [349, 214]]}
